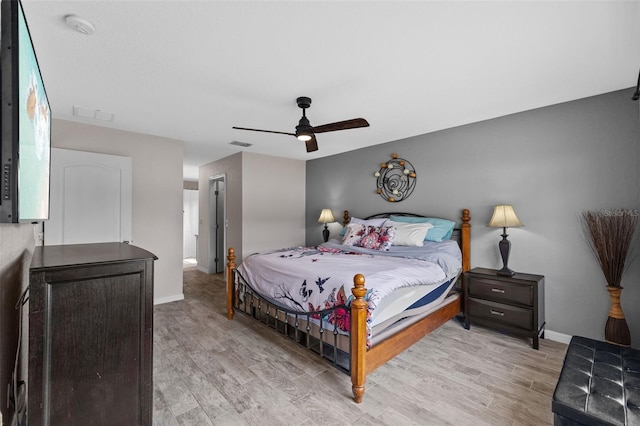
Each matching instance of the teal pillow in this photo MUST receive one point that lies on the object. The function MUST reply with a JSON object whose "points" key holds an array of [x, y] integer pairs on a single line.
{"points": [[442, 228]]}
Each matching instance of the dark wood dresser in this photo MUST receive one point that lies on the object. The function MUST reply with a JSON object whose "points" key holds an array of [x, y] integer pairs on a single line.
{"points": [[90, 335], [513, 304]]}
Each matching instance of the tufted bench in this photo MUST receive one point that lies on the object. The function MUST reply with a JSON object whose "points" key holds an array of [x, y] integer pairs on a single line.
{"points": [[599, 385]]}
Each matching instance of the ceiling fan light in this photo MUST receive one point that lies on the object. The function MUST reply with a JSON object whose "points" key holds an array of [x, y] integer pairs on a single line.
{"points": [[304, 131]]}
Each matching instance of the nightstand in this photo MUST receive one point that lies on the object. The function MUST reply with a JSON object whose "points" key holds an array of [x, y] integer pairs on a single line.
{"points": [[512, 304]]}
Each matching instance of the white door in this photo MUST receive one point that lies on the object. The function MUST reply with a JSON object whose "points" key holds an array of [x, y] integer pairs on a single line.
{"points": [[90, 198], [190, 223]]}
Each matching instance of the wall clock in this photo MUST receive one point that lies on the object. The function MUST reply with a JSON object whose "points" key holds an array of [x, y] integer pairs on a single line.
{"points": [[396, 179]]}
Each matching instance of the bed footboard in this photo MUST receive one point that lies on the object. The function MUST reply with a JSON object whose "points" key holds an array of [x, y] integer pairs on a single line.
{"points": [[231, 266], [362, 360], [358, 332], [358, 338]]}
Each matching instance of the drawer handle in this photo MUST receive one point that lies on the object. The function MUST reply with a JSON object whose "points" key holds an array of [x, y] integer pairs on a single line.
{"points": [[500, 314], [497, 290]]}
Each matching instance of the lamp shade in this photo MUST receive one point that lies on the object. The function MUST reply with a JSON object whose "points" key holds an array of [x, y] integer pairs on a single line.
{"points": [[504, 217], [326, 216]]}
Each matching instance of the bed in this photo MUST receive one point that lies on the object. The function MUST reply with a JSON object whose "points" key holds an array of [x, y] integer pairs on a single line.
{"points": [[413, 290]]}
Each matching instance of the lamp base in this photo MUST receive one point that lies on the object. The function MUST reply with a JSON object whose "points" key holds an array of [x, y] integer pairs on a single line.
{"points": [[325, 233], [505, 272], [505, 247]]}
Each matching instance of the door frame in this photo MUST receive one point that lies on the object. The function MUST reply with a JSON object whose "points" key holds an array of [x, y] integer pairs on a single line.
{"points": [[212, 214]]}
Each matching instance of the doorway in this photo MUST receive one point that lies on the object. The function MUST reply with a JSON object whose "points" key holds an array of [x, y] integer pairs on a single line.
{"points": [[190, 228], [217, 221]]}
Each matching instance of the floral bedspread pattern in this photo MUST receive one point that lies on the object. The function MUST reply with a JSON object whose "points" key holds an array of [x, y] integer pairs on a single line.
{"points": [[310, 279]]}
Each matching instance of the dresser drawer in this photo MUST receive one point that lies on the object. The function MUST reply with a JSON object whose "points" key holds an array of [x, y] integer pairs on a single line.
{"points": [[501, 291], [509, 315]]}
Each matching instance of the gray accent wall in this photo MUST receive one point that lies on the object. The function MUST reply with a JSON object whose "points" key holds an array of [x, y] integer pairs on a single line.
{"points": [[550, 163]]}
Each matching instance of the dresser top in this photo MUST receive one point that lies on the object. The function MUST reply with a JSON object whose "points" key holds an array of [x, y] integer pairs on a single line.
{"points": [[517, 276], [82, 254]]}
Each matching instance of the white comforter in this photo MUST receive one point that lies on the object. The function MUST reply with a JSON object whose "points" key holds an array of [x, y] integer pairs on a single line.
{"points": [[309, 279]]}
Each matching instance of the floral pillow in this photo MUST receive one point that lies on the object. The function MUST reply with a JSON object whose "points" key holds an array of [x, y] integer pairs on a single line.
{"points": [[355, 220], [367, 236]]}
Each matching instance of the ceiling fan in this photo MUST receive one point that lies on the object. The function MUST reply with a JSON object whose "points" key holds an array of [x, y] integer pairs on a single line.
{"points": [[307, 133]]}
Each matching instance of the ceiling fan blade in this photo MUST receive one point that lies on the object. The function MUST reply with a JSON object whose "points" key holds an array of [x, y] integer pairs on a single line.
{"points": [[264, 131], [312, 144], [341, 125]]}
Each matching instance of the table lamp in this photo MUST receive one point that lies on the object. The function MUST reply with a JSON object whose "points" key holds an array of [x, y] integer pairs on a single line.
{"points": [[325, 217], [504, 217]]}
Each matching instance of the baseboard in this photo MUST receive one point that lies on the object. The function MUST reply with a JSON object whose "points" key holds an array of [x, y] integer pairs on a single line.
{"points": [[557, 337], [203, 269], [168, 299]]}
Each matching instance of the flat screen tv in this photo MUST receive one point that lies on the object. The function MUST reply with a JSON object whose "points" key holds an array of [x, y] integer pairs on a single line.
{"points": [[25, 118]]}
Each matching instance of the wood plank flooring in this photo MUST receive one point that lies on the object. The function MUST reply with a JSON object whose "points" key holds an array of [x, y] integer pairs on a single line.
{"points": [[212, 371]]}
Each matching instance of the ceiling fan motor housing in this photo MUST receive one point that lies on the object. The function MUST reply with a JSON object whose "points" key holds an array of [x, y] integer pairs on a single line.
{"points": [[303, 102]]}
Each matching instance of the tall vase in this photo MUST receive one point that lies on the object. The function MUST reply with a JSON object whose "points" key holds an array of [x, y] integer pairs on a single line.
{"points": [[616, 331]]}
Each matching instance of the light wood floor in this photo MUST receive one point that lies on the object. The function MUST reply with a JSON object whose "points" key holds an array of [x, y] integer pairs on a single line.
{"points": [[212, 371]]}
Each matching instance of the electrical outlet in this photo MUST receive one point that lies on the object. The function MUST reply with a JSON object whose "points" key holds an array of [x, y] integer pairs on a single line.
{"points": [[38, 237]]}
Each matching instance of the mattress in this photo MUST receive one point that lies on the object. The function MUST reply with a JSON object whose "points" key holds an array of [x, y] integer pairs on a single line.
{"points": [[310, 279]]}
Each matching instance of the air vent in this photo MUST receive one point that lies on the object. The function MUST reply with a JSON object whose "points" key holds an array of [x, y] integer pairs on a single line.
{"points": [[93, 114], [242, 144]]}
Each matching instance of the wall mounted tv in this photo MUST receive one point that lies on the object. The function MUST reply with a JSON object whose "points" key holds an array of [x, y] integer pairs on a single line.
{"points": [[25, 119]]}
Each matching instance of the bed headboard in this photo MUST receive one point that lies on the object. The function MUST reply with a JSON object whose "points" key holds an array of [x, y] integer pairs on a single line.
{"points": [[462, 234]]}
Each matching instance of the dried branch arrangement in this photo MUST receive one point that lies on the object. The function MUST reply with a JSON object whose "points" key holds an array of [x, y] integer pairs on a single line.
{"points": [[609, 235]]}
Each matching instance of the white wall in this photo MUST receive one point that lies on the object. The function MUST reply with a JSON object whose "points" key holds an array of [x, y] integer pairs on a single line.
{"points": [[157, 193], [273, 203], [231, 168], [265, 203], [16, 251]]}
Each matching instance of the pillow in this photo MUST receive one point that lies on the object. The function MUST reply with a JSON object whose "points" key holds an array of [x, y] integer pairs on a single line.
{"points": [[352, 232], [442, 228], [371, 237], [409, 234], [372, 222]]}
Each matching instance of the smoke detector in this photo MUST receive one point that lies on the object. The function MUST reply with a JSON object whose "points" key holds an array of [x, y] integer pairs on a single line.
{"points": [[79, 24]]}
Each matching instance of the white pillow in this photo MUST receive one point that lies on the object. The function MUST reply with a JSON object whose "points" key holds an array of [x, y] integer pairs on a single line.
{"points": [[409, 234], [370, 222]]}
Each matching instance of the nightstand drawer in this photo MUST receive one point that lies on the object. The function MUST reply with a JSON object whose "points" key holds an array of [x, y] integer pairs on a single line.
{"points": [[498, 312], [501, 291]]}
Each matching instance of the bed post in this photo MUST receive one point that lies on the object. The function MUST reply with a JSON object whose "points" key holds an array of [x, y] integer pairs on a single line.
{"points": [[358, 337], [466, 241], [231, 265]]}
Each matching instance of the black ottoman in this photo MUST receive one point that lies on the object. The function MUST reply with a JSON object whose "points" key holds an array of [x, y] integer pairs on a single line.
{"points": [[599, 385]]}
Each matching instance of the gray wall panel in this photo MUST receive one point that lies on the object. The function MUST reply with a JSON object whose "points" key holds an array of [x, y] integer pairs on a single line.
{"points": [[551, 163]]}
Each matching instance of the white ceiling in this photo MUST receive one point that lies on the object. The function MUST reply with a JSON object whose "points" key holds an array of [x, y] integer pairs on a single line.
{"points": [[190, 70]]}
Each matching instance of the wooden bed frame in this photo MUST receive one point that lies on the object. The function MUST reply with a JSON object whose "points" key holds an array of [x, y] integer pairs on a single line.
{"points": [[364, 360]]}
